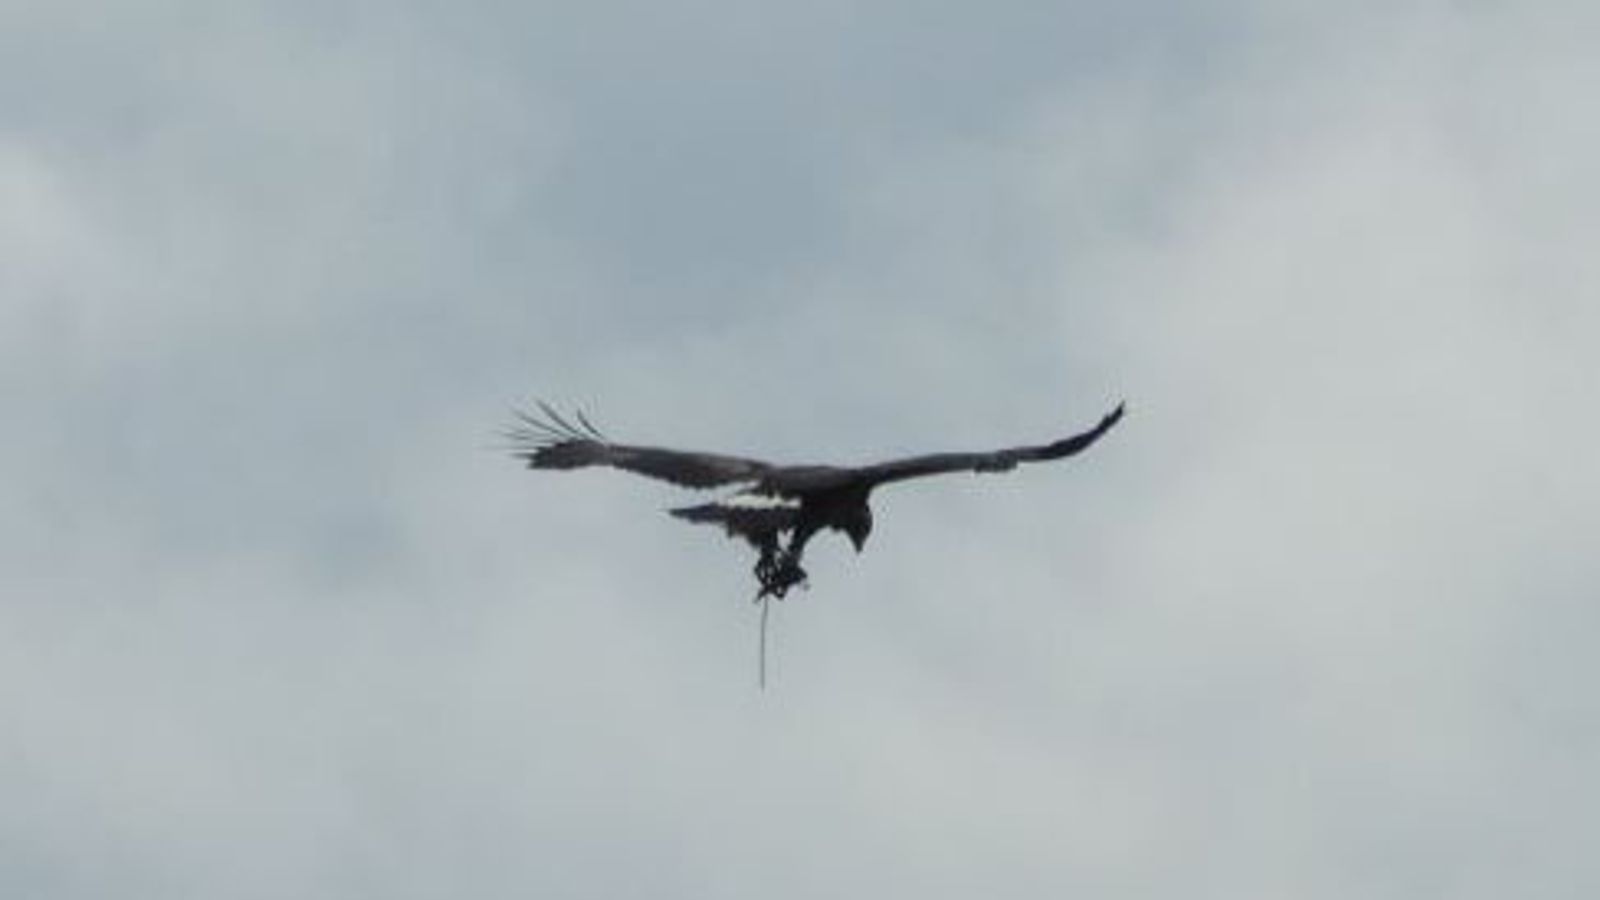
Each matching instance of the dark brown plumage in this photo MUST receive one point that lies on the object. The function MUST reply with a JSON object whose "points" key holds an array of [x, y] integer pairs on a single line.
{"points": [[774, 500]]}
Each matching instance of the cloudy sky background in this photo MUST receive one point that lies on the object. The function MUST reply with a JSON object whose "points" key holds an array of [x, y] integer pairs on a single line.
{"points": [[1316, 621]]}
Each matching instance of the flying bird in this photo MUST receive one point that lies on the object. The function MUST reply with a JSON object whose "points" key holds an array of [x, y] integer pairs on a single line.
{"points": [[777, 508]]}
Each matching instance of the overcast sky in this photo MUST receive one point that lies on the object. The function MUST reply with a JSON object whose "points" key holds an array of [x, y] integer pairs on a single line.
{"points": [[1316, 621]]}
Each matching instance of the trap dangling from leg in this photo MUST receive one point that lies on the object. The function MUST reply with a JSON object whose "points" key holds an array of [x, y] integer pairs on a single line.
{"points": [[777, 571]]}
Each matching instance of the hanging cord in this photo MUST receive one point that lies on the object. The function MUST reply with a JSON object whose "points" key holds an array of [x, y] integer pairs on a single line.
{"points": [[766, 573], [761, 671], [774, 583]]}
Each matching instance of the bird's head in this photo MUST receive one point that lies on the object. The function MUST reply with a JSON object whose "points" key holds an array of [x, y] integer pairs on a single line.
{"points": [[859, 526]]}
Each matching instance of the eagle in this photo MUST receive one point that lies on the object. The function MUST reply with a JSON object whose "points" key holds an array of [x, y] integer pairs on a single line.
{"points": [[776, 508]]}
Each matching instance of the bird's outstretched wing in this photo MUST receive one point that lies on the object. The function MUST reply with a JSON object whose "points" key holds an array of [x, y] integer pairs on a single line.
{"points": [[554, 442], [993, 461]]}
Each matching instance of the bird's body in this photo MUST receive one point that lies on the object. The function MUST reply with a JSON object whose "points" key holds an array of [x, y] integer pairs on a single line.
{"points": [[773, 500]]}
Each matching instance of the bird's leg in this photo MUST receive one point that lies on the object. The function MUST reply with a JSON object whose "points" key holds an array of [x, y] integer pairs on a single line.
{"points": [[778, 577], [768, 569], [778, 568], [788, 572], [783, 576], [766, 566]]}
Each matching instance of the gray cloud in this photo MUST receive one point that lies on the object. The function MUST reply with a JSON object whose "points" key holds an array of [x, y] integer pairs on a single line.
{"points": [[278, 621]]}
